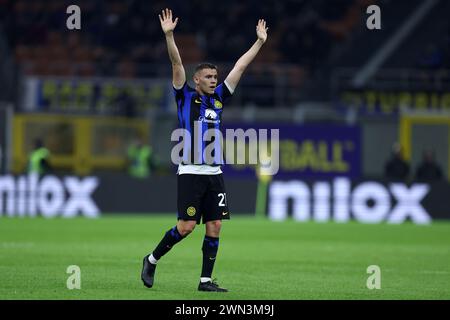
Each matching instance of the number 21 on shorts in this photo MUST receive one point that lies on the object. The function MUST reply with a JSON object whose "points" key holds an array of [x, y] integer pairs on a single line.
{"points": [[223, 199]]}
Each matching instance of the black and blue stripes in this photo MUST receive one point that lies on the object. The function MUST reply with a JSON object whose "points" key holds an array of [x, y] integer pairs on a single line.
{"points": [[197, 114], [171, 238], [174, 232], [209, 248], [211, 242]]}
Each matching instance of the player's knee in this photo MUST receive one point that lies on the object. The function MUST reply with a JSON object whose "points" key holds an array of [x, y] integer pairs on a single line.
{"points": [[186, 231], [214, 227], [186, 228], [217, 224]]}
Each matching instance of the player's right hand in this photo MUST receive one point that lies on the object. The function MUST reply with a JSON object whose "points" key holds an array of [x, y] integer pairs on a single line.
{"points": [[167, 24], [261, 30]]}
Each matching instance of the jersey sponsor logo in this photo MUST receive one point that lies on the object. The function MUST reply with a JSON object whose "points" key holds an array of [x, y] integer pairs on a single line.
{"points": [[191, 211], [210, 114], [218, 104], [210, 117]]}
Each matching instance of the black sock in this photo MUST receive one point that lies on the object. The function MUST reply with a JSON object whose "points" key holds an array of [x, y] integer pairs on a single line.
{"points": [[171, 238], [209, 248]]}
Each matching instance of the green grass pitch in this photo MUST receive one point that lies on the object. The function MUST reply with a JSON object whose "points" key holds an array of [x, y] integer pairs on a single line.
{"points": [[257, 259]]}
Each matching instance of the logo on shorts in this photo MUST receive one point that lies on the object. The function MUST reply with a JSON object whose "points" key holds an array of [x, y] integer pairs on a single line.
{"points": [[224, 213], [190, 211]]}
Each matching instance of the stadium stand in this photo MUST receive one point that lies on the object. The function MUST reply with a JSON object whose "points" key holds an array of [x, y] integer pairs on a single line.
{"points": [[119, 38]]}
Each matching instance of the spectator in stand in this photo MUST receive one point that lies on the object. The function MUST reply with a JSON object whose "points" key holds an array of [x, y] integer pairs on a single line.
{"points": [[396, 168], [428, 170], [38, 161]]}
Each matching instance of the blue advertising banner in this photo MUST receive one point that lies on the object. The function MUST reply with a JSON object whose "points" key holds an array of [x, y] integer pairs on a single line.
{"points": [[307, 151], [391, 102], [110, 96]]}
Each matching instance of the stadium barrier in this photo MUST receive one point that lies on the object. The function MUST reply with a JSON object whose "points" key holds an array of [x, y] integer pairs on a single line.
{"points": [[390, 92], [340, 199], [91, 196], [368, 201], [93, 95], [78, 144], [419, 131], [5, 137]]}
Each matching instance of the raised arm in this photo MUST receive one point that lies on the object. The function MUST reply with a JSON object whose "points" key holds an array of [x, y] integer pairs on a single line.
{"points": [[167, 25], [235, 74]]}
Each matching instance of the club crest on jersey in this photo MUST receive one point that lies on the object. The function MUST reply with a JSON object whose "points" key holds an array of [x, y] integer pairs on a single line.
{"points": [[218, 104], [190, 211]]}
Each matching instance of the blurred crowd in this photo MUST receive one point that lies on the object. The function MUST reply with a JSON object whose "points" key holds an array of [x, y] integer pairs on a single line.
{"points": [[123, 37], [398, 168]]}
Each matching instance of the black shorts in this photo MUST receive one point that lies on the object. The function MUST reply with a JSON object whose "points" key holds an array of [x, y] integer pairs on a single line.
{"points": [[202, 196]]}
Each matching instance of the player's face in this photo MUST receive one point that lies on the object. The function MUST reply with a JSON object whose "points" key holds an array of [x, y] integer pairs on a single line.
{"points": [[206, 80]]}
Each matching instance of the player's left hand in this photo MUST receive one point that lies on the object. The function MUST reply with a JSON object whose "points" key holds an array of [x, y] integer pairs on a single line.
{"points": [[261, 30]]}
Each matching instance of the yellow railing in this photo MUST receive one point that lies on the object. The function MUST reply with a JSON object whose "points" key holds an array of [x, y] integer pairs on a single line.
{"points": [[77, 143], [407, 121]]}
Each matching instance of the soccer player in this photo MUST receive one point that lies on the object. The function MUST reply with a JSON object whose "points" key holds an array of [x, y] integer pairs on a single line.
{"points": [[201, 189]]}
